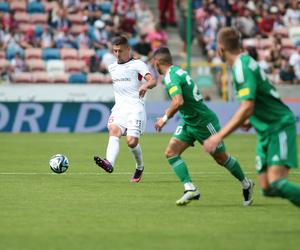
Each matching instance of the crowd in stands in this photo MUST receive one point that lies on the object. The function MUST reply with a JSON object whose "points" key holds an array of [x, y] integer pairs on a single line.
{"points": [[270, 31], [69, 40]]}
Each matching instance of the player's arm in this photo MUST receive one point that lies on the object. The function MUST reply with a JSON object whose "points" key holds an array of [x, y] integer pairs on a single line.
{"points": [[149, 84], [177, 102]]}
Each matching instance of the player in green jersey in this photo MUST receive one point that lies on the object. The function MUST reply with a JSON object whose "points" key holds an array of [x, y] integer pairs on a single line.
{"points": [[261, 107], [198, 123]]}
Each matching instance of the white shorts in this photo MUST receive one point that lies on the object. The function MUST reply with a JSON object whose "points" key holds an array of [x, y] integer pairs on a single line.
{"points": [[131, 121]]}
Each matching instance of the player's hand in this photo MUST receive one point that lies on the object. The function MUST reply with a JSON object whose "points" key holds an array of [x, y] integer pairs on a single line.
{"points": [[142, 90], [246, 125], [159, 124], [210, 145]]}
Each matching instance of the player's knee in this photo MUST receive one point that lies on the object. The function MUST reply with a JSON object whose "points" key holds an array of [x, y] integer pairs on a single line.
{"points": [[169, 153], [132, 142], [220, 160]]}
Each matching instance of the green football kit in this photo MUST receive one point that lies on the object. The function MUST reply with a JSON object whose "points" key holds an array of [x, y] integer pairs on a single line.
{"points": [[272, 119], [198, 122]]}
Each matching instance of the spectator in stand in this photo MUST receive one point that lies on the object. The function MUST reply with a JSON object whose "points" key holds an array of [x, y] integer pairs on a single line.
{"points": [[72, 6], [144, 18], [286, 72], [47, 38], [246, 24], [157, 38], [166, 13], [92, 12], [142, 49], [61, 20], [17, 64], [12, 41], [292, 16], [294, 61], [107, 59], [83, 40], [266, 23], [100, 35], [8, 21], [29, 39], [63, 39]]}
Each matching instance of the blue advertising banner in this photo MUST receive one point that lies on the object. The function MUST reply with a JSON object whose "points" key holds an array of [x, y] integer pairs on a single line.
{"points": [[92, 117]]}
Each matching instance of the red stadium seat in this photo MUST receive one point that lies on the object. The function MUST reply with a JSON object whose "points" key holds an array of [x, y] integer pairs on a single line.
{"points": [[4, 64], [96, 78], [86, 53], [66, 54], [24, 77], [22, 17], [18, 6], [33, 53], [287, 43], [75, 18], [35, 65], [265, 43], [2, 54], [39, 18], [74, 66], [250, 42], [60, 78], [40, 77], [76, 29]]}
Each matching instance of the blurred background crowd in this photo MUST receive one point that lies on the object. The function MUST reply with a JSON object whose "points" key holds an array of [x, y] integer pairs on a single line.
{"points": [[68, 40]]}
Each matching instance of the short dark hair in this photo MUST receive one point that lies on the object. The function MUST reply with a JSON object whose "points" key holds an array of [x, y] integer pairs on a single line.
{"points": [[164, 56], [119, 40], [230, 38]]}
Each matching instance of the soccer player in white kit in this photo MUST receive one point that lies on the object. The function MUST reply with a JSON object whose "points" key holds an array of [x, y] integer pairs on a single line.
{"points": [[128, 116]]}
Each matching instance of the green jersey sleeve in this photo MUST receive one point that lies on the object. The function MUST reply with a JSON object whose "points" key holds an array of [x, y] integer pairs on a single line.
{"points": [[246, 82], [173, 86]]}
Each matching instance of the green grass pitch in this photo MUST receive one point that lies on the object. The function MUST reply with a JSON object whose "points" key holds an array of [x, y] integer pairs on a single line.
{"points": [[86, 208]]}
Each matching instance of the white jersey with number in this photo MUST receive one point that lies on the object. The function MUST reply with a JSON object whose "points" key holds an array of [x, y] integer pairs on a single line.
{"points": [[129, 111]]}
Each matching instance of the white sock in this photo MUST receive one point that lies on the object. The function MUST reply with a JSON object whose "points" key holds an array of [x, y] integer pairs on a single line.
{"points": [[245, 183], [112, 149], [189, 186], [137, 154]]}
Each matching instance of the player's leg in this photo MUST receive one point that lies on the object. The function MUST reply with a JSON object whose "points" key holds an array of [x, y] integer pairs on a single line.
{"points": [[116, 129], [136, 123], [233, 166], [282, 155], [177, 144], [277, 176]]}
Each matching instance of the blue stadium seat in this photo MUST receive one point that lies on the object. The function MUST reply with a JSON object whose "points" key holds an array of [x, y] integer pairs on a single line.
{"points": [[50, 53], [78, 78], [105, 8], [39, 31], [35, 7], [4, 7], [10, 53]]}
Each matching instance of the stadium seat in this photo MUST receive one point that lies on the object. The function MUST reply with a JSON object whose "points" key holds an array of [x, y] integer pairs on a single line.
{"points": [[18, 6], [55, 67], [40, 77], [60, 78], [22, 77], [265, 43], [2, 54], [294, 33], [77, 78], [35, 65], [35, 7], [250, 42], [105, 7], [50, 53], [76, 29], [4, 7], [75, 18], [287, 52], [263, 54], [33, 53], [96, 78], [282, 32], [39, 18], [22, 18], [4, 64], [49, 6], [72, 66], [10, 53], [287, 43], [66, 54], [23, 27], [85, 53]]}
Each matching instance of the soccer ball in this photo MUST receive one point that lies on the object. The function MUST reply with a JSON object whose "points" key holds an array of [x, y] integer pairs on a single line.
{"points": [[59, 163]]}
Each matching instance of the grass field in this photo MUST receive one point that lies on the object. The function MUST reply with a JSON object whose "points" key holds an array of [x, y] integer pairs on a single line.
{"points": [[89, 209]]}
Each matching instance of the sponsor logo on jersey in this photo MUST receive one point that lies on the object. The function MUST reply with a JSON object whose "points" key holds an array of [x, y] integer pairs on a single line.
{"points": [[244, 92], [275, 158], [172, 90]]}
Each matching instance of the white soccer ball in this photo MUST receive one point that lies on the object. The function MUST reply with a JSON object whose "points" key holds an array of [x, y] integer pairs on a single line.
{"points": [[59, 163]]}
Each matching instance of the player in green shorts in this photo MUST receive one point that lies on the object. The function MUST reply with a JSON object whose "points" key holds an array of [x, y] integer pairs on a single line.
{"points": [[198, 123], [261, 107]]}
